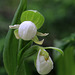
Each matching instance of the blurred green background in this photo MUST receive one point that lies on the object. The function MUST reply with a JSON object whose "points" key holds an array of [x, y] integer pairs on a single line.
{"points": [[59, 22]]}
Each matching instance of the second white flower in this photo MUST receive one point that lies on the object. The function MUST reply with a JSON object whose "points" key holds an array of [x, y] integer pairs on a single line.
{"points": [[44, 64]]}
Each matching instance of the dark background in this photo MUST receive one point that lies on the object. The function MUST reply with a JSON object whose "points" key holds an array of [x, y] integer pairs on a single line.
{"points": [[59, 20]]}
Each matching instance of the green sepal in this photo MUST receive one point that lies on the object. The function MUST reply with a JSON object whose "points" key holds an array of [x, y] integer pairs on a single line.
{"points": [[32, 51], [33, 16], [54, 48], [21, 70], [16, 34], [36, 40]]}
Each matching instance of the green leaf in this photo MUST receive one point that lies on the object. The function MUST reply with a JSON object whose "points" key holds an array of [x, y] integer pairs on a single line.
{"points": [[33, 16], [29, 52], [11, 43], [21, 70], [10, 53], [21, 52], [54, 48], [67, 60], [24, 68]]}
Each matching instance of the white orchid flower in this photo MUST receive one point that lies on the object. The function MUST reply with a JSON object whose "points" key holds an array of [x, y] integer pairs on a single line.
{"points": [[27, 31], [44, 63]]}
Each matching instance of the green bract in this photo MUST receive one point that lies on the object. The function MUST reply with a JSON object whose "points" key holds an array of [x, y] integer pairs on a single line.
{"points": [[33, 16]]}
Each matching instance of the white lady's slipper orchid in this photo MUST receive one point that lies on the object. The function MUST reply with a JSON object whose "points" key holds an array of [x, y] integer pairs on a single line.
{"points": [[44, 63], [27, 30]]}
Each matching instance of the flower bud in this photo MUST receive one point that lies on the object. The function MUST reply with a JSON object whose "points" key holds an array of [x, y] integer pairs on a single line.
{"points": [[44, 64], [27, 30]]}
